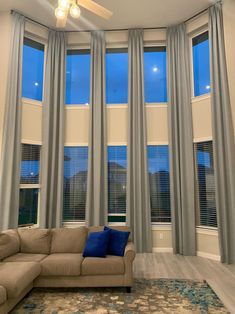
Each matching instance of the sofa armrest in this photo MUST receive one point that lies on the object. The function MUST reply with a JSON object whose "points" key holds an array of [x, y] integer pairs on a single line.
{"points": [[130, 251]]}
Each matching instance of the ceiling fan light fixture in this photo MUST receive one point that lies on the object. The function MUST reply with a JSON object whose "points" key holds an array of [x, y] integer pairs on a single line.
{"points": [[60, 13], [64, 4], [75, 11]]}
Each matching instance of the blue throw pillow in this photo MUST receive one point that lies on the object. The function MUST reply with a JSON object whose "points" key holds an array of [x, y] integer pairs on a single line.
{"points": [[97, 244], [117, 241]]}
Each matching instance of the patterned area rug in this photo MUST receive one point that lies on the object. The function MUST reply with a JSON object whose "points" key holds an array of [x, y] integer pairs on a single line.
{"points": [[147, 296]]}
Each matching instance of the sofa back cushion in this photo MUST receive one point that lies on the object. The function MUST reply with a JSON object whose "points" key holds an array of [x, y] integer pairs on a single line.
{"points": [[120, 228], [68, 240], [9, 243], [36, 241]]}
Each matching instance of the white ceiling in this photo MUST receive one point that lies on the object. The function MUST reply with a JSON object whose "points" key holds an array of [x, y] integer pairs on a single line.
{"points": [[127, 13]]}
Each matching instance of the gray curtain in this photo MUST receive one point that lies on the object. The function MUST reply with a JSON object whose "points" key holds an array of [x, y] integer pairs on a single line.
{"points": [[181, 142], [11, 147], [97, 197], [138, 196], [223, 137], [53, 133]]}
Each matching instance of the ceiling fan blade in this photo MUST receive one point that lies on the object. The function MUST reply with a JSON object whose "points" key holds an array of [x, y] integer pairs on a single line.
{"points": [[95, 8], [61, 23]]}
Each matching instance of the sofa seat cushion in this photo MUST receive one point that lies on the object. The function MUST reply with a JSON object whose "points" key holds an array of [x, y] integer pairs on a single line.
{"points": [[25, 257], [16, 276], [35, 241], [68, 240], [111, 265], [3, 295], [62, 264]]}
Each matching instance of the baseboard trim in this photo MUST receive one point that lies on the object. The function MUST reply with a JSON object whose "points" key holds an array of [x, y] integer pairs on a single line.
{"points": [[208, 255], [162, 250]]}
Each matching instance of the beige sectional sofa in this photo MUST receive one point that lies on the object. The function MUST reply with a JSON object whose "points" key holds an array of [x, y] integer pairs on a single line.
{"points": [[53, 258]]}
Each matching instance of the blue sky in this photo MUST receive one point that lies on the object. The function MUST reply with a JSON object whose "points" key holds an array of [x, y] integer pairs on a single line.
{"points": [[78, 75], [155, 83], [78, 79], [32, 76], [201, 62]]}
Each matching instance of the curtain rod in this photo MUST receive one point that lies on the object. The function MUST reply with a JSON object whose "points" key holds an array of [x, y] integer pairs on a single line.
{"points": [[113, 30]]}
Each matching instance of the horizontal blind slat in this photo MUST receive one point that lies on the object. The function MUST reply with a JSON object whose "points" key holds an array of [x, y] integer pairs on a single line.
{"points": [[206, 184], [117, 172], [75, 183], [159, 179]]}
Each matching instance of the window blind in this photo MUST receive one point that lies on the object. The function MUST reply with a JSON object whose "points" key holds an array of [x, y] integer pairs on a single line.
{"points": [[205, 185], [117, 171], [30, 179], [158, 168], [30, 164], [75, 183]]}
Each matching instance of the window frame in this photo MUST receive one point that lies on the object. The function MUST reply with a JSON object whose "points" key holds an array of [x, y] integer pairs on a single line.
{"points": [[158, 223], [197, 201], [156, 45], [74, 48], [44, 42], [121, 49], [116, 223], [70, 223], [191, 36], [33, 186]]}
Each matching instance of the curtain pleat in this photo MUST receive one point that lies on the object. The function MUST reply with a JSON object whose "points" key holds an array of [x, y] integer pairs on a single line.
{"points": [[181, 142], [52, 165], [97, 180], [138, 195], [11, 147], [223, 137]]}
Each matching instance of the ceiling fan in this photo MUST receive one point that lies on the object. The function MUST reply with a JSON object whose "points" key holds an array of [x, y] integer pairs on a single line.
{"points": [[71, 7]]}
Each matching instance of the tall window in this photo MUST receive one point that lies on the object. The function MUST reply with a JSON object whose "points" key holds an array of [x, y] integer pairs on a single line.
{"points": [[159, 178], [29, 184], [75, 183], [33, 68], [78, 77], [117, 171], [155, 82], [205, 184], [201, 64], [117, 76]]}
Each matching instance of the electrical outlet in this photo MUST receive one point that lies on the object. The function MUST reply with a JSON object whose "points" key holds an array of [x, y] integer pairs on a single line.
{"points": [[161, 236]]}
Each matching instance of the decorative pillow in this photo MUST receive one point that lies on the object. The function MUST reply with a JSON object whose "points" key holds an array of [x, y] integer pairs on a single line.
{"points": [[97, 244], [68, 240], [117, 241], [9, 243], [35, 241]]}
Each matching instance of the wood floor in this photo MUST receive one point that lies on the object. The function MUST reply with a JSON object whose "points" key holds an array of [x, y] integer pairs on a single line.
{"points": [[219, 276]]}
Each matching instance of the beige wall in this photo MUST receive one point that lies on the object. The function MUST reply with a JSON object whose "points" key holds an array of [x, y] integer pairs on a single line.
{"points": [[5, 30]]}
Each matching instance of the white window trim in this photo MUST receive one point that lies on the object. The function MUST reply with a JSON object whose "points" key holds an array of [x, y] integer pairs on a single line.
{"points": [[161, 226], [31, 102], [77, 106], [34, 186], [200, 98], [202, 139], [207, 230]]}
